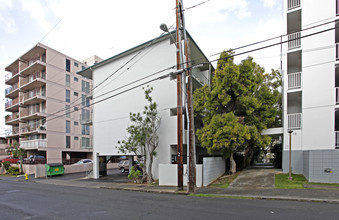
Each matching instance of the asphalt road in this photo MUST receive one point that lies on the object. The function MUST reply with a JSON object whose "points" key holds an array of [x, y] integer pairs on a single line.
{"points": [[21, 200]]}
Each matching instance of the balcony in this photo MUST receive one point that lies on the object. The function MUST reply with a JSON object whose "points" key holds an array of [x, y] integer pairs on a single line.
{"points": [[36, 66], [34, 96], [292, 4], [294, 40], [12, 92], [86, 119], [32, 81], [12, 119], [33, 144], [86, 143], [32, 128], [31, 113], [12, 77], [12, 105], [294, 80], [14, 132], [294, 121]]}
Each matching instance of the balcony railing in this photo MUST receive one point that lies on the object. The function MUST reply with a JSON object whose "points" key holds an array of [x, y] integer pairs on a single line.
{"points": [[31, 111], [10, 75], [294, 40], [11, 89], [86, 143], [337, 51], [33, 93], [294, 80], [294, 121], [86, 118], [12, 102], [291, 4], [33, 144], [14, 131], [25, 128]]}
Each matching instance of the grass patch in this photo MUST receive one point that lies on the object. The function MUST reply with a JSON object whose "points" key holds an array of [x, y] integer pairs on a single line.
{"points": [[297, 182], [220, 196], [224, 181]]}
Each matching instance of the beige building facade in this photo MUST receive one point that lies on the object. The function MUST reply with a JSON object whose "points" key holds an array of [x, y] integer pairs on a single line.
{"points": [[49, 105]]}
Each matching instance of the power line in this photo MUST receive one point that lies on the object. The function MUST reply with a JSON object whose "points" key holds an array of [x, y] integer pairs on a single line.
{"points": [[274, 38]]}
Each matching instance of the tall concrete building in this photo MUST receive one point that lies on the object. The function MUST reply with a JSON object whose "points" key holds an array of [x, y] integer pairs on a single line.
{"points": [[311, 89], [49, 105]]}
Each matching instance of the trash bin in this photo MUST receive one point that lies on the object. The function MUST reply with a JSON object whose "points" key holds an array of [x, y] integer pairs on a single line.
{"points": [[53, 169]]}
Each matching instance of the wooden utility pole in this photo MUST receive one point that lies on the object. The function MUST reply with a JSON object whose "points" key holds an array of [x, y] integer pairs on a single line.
{"points": [[179, 105]]}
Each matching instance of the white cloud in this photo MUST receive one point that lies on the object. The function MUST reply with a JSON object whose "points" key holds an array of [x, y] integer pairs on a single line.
{"points": [[269, 3], [7, 23], [37, 12], [216, 11]]}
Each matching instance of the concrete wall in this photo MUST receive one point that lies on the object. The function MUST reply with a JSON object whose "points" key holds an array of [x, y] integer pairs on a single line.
{"points": [[168, 175], [213, 168], [297, 161], [323, 166]]}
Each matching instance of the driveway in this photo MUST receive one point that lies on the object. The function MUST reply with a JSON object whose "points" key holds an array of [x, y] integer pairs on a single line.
{"points": [[254, 179]]}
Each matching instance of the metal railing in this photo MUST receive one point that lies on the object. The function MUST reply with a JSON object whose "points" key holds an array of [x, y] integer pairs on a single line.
{"points": [[294, 80], [291, 4], [38, 143], [11, 74], [294, 121], [294, 40], [86, 118], [33, 93]]}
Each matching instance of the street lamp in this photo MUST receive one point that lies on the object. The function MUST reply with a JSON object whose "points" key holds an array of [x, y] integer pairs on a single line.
{"points": [[164, 28], [290, 168]]}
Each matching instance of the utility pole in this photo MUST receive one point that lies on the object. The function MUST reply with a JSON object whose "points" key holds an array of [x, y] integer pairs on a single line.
{"points": [[189, 103], [179, 105]]}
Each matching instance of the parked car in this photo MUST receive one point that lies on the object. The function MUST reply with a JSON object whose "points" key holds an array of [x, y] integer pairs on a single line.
{"points": [[124, 165], [35, 159], [84, 161], [10, 159]]}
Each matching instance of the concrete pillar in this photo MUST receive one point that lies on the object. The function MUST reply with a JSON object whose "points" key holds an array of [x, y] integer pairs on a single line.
{"points": [[95, 165]]}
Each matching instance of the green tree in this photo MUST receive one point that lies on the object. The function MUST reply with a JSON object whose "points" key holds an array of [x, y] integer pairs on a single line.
{"points": [[143, 139], [241, 102], [17, 152]]}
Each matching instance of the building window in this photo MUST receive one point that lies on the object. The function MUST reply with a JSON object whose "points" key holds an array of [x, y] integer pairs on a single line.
{"points": [[85, 86], [68, 65], [68, 80], [76, 109], [68, 126], [76, 138], [68, 96], [68, 111], [76, 64], [76, 123], [85, 143], [85, 129], [84, 100], [83, 67], [68, 141], [76, 94], [75, 79]]}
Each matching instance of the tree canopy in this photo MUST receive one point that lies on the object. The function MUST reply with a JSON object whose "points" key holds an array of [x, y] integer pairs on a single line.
{"points": [[241, 101]]}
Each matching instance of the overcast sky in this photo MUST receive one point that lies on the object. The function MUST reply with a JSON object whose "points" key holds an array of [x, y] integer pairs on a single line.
{"points": [[82, 28]]}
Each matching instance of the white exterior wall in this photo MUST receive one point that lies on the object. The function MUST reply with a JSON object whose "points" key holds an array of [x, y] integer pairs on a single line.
{"points": [[318, 82], [168, 175], [111, 117], [213, 168]]}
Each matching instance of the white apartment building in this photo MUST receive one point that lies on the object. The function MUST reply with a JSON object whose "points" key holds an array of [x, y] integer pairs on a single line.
{"points": [[48, 105], [311, 89], [111, 116]]}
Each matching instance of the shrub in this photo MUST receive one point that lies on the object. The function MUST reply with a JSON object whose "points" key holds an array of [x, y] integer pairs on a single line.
{"points": [[134, 174], [14, 170], [6, 165]]}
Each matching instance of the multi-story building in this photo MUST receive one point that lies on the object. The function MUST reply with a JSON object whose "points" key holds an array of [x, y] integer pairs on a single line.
{"points": [[311, 89], [49, 105]]}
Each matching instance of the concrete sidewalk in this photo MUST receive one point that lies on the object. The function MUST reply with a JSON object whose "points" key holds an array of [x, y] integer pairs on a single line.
{"points": [[238, 189]]}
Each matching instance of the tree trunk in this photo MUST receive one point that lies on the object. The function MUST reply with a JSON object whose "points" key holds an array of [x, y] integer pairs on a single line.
{"points": [[245, 164], [149, 172], [233, 167], [21, 168]]}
